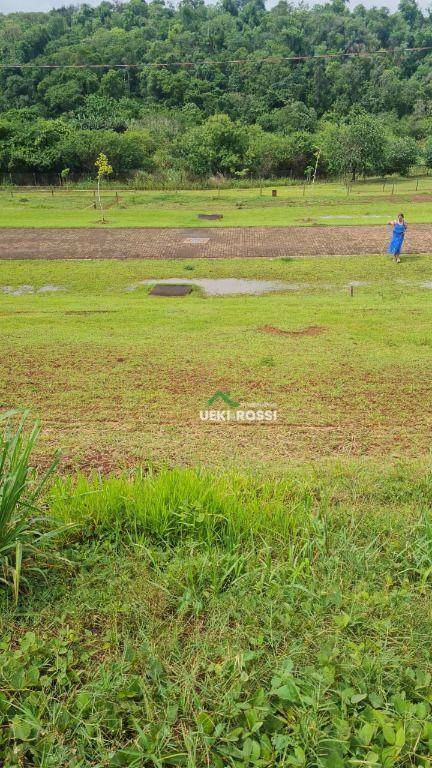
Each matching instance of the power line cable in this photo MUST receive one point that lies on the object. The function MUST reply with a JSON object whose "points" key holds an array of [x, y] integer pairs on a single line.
{"points": [[222, 63]]}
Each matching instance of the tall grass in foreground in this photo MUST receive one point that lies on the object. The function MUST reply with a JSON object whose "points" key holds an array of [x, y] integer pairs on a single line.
{"points": [[171, 506], [229, 509]]}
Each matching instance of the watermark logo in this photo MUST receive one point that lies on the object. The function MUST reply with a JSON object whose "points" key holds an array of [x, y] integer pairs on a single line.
{"points": [[229, 410], [224, 397]]}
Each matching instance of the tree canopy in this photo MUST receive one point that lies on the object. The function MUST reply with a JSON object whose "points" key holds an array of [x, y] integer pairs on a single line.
{"points": [[368, 113]]}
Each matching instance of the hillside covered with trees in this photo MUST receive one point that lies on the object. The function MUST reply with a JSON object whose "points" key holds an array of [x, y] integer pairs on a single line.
{"points": [[257, 117]]}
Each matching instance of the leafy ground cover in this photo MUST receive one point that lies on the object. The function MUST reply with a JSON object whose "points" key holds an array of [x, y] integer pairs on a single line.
{"points": [[118, 377], [322, 203], [206, 619]]}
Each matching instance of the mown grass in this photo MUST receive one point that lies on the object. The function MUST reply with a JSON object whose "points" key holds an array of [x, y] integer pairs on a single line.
{"points": [[332, 204], [227, 619], [118, 377]]}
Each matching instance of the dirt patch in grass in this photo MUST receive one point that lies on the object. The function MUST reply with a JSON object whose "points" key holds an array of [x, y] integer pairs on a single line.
{"points": [[311, 330], [90, 311]]}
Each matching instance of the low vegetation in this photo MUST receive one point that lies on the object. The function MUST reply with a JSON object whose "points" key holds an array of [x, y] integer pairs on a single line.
{"points": [[323, 204], [267, 610], [119, 378], [226, 620]]}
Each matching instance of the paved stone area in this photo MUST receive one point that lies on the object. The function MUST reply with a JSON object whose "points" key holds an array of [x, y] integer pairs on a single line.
{"points": [[205, 242]]}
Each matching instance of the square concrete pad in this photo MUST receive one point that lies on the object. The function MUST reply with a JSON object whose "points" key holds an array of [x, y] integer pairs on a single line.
{"points": [[196, 240], [160, 289]]}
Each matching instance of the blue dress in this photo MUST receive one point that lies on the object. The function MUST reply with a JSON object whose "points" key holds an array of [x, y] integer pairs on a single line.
{"points": [[396, 243]]}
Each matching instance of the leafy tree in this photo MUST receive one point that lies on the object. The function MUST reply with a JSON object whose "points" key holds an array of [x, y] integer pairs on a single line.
{"points": [[400, 155], [31, 144], [302, 149], [104, 169], [355, 147], [267, 153], [102, 112], [428, 152], [113, 85], [295, 116], [218, 145], [365, 99], [127, 151]]}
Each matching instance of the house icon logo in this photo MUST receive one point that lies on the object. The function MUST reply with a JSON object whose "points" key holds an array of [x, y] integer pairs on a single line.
{"points": [[224, 397]]}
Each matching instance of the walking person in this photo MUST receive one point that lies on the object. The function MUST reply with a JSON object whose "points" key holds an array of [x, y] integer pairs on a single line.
{"points": [[399, 228]]}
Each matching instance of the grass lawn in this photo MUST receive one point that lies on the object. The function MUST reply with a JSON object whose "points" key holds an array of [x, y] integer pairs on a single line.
{"points": [[227, 621], [118, 377], [366, 203], [232, 595]]}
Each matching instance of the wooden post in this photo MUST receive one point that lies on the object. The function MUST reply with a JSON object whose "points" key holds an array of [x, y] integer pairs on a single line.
{"points": [[351, 290], [274, 192], [417, 185], [393, 187]]}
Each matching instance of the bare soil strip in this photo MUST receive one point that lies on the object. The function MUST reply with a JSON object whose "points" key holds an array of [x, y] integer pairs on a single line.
{"points": [[311, 330], [211, 243]]}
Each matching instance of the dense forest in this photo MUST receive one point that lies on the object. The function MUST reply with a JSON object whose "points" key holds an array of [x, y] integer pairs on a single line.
{"points": [[184, 109]]}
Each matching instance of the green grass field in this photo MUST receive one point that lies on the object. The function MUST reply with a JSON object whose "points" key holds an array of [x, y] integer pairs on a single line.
{"points": [[221, 595], [227, 621], [119, 377], [366, 203]]}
